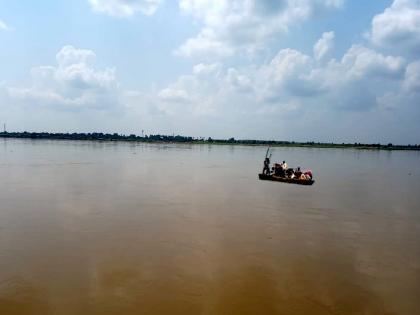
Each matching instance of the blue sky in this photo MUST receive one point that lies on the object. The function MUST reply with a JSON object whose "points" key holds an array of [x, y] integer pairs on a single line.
{"points": [[322, 70]]}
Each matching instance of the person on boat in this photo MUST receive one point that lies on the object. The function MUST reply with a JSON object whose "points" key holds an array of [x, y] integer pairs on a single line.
{"points": [[266, 169], [290, 172], [308, 174], [298, 172], [284, 165], [278, 170]]}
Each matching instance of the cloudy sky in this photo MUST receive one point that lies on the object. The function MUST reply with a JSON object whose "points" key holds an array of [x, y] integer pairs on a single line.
{"points": [[322, 70]]}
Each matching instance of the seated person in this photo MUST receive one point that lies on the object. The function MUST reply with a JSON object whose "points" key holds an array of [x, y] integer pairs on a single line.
{"points": [[298, 172], [290, 172], [278, 170], [308, 174], [284, 165], [303, 177]]}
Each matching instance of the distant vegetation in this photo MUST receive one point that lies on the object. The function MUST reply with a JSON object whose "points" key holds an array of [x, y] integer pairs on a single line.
{"points": [[98, 136]]}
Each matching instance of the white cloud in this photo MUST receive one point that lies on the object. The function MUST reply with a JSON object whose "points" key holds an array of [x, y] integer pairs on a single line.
{"points": [[398, 26], [288, 63], [69, 55], [359, 78], [206, 69], [125, 8], [412, 77], [174, 95], [362, 62], [239, 81], [244, 25], [4, 26], [358, 81], [298, 74], [204, 92], [205, 44], [324, 45], [73, 83], [288, 75]]}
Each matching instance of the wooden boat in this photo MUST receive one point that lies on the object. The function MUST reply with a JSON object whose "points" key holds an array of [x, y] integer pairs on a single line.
{"points": [[286, 180]]}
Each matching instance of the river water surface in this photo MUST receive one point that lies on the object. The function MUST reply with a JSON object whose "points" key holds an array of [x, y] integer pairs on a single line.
{"points": [[120, 228]]}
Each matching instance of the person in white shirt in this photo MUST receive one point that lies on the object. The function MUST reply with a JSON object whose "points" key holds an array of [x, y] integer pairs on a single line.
{"points": [[284, 165]]}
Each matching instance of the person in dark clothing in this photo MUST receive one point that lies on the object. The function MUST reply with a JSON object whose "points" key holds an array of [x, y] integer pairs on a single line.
{"points": [[266, 169], [290, 172], [278, 170]]}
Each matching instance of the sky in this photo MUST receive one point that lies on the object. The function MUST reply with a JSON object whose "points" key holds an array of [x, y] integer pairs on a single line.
{"points": [[296, 70]]}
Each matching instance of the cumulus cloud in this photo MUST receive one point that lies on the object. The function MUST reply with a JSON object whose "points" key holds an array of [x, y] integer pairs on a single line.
{"points": [[359, 78], [206, 91], [293, 82], [324, 45], [288, 74], [356, 81], [412, 77], [362, 79], [239, 81], [398, 26], [362, 62], [72, 83], [69, 55], [246, 25], [205, 44], [125, 8]]}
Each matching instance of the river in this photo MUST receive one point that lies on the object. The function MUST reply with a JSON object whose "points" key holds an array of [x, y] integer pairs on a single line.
{"points": [[133, 228]]}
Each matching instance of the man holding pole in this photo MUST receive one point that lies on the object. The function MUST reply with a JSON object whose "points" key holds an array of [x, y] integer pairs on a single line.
{"points": [[266, 169]]}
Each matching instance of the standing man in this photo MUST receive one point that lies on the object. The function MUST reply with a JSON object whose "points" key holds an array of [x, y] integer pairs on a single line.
{"points": [[266, 169]]}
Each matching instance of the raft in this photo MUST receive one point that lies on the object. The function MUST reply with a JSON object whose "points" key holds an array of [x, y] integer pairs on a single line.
{"points": [[286, 180]]}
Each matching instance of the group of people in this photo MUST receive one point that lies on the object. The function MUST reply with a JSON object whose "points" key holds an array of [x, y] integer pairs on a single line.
{"points": [[282, 170]]}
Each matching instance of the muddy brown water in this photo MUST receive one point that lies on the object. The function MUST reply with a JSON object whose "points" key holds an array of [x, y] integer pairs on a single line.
{"points": [[121, 228]]}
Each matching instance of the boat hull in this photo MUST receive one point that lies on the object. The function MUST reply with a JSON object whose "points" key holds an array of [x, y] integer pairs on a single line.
{"points": [[306, 182]]}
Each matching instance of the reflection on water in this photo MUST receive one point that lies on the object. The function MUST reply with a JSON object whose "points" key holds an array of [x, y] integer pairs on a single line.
{"points": [[118, 228]]}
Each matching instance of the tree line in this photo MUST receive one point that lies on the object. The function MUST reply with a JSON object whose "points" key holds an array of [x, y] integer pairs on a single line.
{"points": [[99, 136]]}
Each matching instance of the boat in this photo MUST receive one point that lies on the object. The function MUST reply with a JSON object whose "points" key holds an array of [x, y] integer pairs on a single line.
{"points": [[297, 181]]}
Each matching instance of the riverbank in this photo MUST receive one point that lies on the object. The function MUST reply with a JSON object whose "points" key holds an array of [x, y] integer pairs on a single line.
{"points": [[192, 140]]}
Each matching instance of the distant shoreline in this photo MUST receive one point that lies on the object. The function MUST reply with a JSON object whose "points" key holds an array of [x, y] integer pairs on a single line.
{"points": [[192, 140]]}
